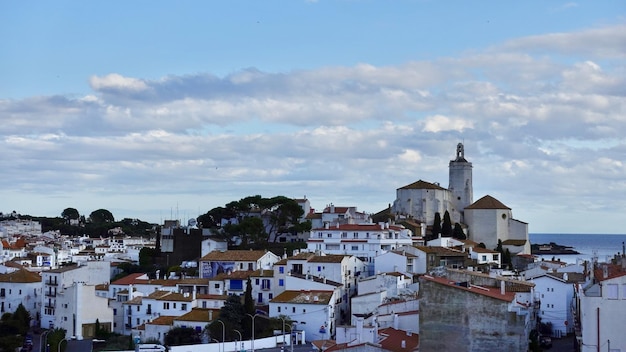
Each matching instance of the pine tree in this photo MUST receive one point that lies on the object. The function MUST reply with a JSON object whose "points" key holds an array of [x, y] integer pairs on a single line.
{"points": [[458, 232], [436, 229], [446, 228]]}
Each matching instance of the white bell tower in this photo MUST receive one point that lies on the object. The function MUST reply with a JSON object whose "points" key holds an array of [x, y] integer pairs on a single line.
{"points": [[460, 178]]}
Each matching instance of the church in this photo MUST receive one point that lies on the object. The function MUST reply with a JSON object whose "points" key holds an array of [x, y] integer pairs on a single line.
{"points": [[487, 220]]}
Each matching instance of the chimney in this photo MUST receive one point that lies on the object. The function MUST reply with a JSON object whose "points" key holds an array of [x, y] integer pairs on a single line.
{"points": [[359, 327], [403, 344], [502, 287], [194, 293], [210, 314], [565, 277]]}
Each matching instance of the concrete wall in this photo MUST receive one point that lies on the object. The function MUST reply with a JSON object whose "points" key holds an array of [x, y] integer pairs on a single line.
{"points": [[455, 320]]}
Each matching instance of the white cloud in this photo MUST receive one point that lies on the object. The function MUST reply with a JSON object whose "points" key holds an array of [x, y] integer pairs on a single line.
{"points": [[536, 127]]}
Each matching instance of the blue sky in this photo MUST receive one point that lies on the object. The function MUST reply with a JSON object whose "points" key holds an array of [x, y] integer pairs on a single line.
{"points": [[144, 107]]}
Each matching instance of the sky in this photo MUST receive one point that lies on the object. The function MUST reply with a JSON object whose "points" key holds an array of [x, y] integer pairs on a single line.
{"points": [[160, 109]]}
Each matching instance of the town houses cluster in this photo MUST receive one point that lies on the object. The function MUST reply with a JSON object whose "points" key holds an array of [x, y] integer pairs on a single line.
{"points": [[360, 282]]}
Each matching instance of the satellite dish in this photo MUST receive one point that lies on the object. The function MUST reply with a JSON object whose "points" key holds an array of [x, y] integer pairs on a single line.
{"points": [[192, 222]]}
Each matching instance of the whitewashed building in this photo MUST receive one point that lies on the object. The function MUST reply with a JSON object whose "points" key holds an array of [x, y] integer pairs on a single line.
{"points": [[364, 241], [312, 311], [78, 308]]}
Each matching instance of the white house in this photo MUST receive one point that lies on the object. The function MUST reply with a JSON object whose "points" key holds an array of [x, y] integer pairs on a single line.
{"points": [[485, 256], [57, 280], [20, 287], [364, 241], [217, 261], [312, 311], [489, 221], [77, 309], [602, 304], [556, 294]]}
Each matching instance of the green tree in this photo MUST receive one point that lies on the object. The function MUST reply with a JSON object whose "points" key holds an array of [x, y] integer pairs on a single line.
{"points": [[458, 232], [248, 302], [436, 229], [233, 313], [70, 214], [179, 336], [101, 216], [446, 227]]}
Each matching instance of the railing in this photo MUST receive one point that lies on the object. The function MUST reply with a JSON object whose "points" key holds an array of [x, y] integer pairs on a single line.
{"points": [[51, 294], [49, 305], [52, 283]]}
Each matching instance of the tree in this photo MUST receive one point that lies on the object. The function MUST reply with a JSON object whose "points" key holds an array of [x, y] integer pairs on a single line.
{"points": [[233, 313], [248, 302], [436, 229], [101, 216], [182, 336], [446, 227], [70, 214], [458, 232]]}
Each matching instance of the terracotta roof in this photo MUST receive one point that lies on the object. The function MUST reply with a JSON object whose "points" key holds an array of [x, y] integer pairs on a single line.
{"points": [[514, 242], [303, 297], [163, 320], [492, 292], [441, 251], [358, 227], [338, 210], [234, 255], [236, 275], [193, 281], [391, 340], [199, 314], [483, 250], [314, 216], [208, 296], [262, 273], [612, 271], [329, 258], [135, 301], [487, 202], [128, 279], [20, 276], [420, 184]]}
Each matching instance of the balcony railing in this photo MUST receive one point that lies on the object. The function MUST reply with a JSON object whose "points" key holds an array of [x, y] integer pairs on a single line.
{"points": [[51, 294], [49, 305], [52, 283]]}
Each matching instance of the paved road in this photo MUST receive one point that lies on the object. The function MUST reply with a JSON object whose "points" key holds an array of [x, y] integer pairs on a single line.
{"points": [[564, 344], [72, 345]]}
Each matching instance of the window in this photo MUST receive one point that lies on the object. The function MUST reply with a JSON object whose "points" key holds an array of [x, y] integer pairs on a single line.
{"points": [[355, 248], [174, 305], [329, 235], [278, 309], [183, 306], [281, 282], [293, 309], [281, 269], [319, 268], [114, 311], [138, 308], [484, 258], [623, 291], [256, 282], [611, 291], [166, 305], [203, 304], [137, 321], [217, 285], [319, 235]]}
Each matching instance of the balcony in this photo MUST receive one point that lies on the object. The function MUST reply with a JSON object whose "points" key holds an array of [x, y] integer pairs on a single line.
{"points": [[51, 294], [49, 305], [51, 283]]}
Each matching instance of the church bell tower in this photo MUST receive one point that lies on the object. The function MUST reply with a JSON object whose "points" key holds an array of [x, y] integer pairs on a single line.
{"points": [[460, 178]]}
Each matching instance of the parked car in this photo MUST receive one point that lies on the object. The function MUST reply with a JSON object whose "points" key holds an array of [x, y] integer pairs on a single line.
{"points": [[545, 341]]}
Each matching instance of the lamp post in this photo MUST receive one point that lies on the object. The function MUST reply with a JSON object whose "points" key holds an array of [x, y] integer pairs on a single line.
{"points": [[252, 316], [59, 345], [41, 340], [240, 339], [223, 334], [291, 337]]}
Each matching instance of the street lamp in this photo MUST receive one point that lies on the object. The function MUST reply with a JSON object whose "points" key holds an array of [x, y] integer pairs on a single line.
{"points": [[223, 334], [252, 316], [240, 339], [59, 345], [291, 337], [41, 345]]}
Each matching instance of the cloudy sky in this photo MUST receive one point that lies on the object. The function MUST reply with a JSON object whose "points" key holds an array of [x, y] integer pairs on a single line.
{"points": [[159, 109]]}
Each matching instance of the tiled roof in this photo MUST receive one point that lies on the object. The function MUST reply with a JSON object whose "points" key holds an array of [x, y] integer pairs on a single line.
{"points": [[236, 275], [234, 255], [514, 242], [128, 279], [420, 184], [329, 258], [20, 276], [136, 301], [483, 250], [304, 297], [199, 314], [163, 320], [492, 292], [391, 340], [487, 202], [358, 227], [442, 251]]}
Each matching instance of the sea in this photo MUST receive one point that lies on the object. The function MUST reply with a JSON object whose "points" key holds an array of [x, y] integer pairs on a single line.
{"points": [[602, 246]]}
